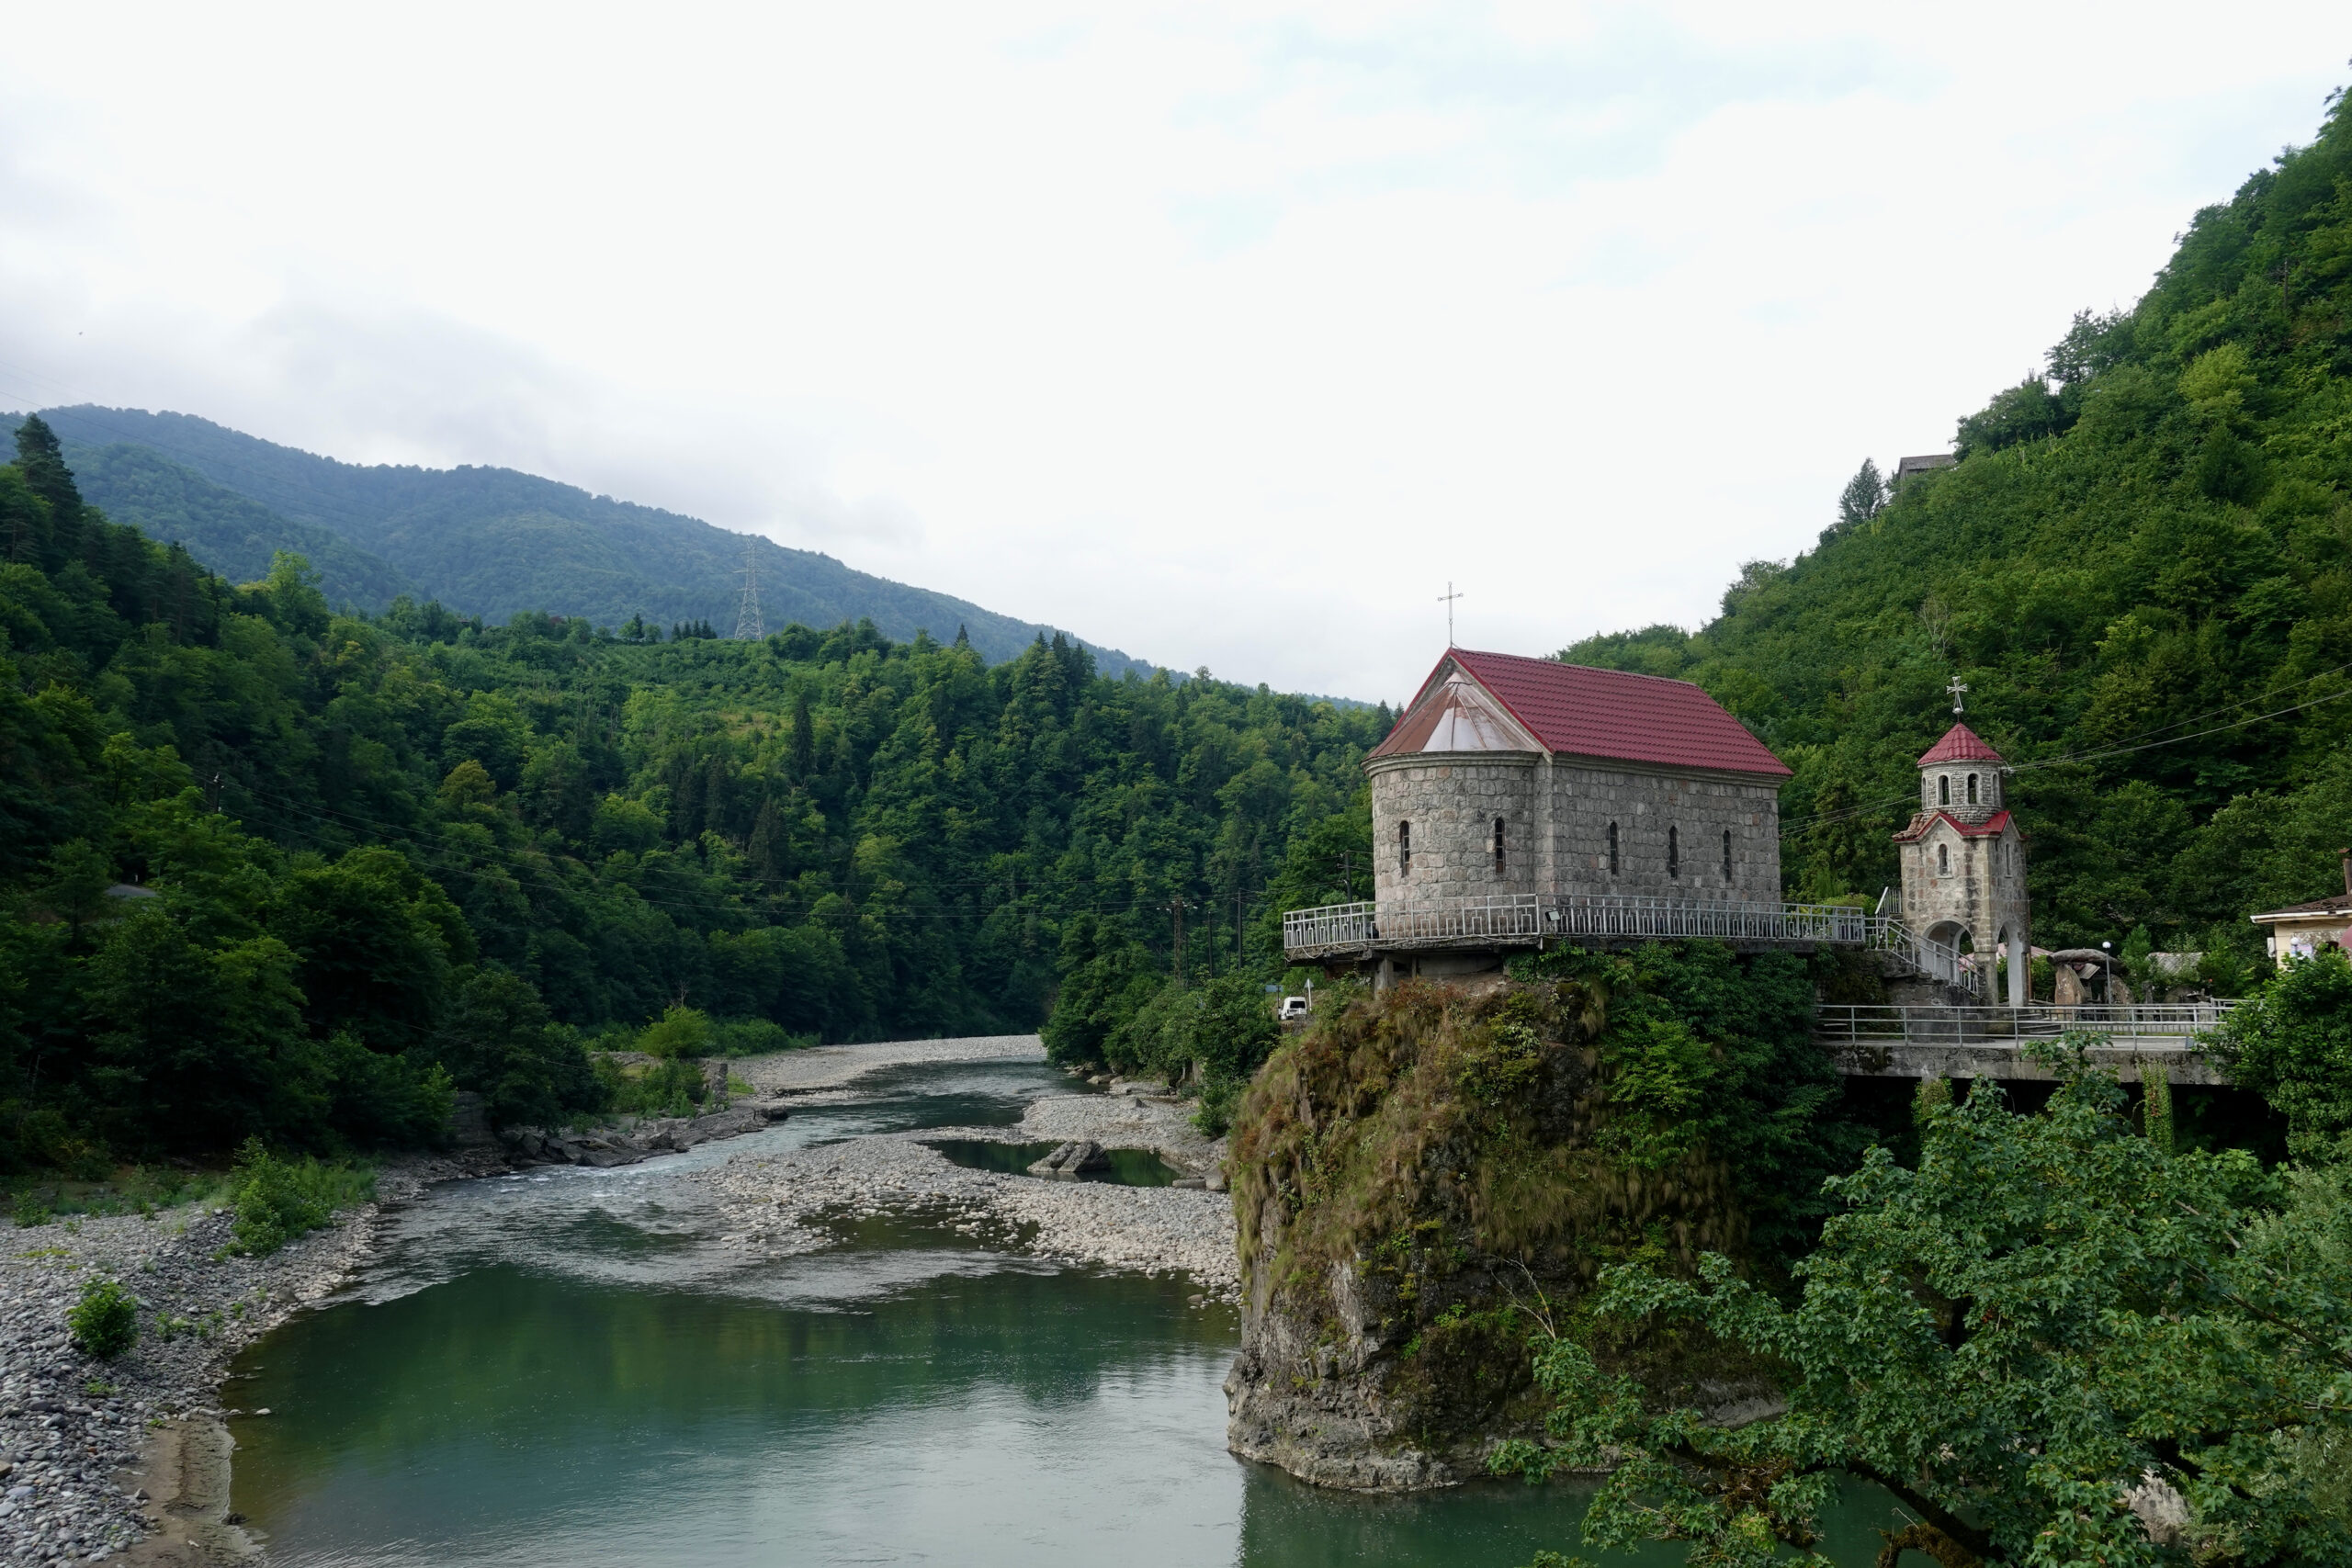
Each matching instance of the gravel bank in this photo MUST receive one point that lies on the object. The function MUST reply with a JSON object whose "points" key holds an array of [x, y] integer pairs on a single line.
{"points": [[127, 1459], [834, 1067], [777, 1206]]}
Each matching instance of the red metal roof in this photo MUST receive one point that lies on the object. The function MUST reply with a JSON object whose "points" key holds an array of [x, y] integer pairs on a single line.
{"points": [[1583, 712], [1988, 828], [1960, 744]]}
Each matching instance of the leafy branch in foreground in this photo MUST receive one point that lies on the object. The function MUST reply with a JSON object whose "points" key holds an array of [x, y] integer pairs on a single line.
{"points": [[2050, 1320]]}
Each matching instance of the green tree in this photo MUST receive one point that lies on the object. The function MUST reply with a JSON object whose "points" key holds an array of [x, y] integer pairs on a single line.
{"points": [[2047, 1317], [2291, 1043]]}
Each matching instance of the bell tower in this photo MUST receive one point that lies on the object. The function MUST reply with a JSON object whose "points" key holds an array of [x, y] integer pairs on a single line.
{"points": [[1963, 858]]}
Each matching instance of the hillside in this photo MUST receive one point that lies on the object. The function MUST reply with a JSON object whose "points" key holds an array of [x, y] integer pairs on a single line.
{"points": [[487, 542], [396, 853], [2140, 566]]}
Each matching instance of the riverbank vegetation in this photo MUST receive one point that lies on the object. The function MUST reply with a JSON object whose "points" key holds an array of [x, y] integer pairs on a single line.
{"points": [[269, 869]]}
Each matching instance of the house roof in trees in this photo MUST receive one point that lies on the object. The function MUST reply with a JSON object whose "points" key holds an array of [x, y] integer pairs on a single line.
{"points": [[1960, 744], [1573, 710]]}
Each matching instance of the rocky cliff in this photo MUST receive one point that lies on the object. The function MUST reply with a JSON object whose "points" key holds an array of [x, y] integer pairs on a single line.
{"points": [[1423, 1178]]}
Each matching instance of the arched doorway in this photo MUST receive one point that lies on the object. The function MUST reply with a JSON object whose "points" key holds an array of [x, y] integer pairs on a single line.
{"points": [[1949, 941]]}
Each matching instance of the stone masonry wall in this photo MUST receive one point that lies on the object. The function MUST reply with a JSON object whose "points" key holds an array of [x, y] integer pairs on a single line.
{"points": [[1700, 807], [1982, 893], [1452, 801]]}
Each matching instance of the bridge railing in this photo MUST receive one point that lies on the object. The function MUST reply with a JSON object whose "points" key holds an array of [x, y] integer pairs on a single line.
{"points": [[2179, 1022], [1527, 917]]}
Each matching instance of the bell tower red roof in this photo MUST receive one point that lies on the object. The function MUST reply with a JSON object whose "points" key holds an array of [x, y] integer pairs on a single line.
{"points": [[1960, 744]]}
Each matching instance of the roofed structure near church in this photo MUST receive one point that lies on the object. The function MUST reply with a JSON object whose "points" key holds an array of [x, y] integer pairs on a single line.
{"points": [[1512, 776]]}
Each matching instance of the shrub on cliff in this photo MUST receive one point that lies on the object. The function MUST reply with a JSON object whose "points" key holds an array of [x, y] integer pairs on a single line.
{"points": [[2049, 1320]]}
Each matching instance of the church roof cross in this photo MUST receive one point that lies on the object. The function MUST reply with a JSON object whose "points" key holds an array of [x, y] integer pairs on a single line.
{"points": [[1956, 688]]}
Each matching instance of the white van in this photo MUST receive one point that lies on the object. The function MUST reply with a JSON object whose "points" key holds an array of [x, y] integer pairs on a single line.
{"points": [[1292, 1008]]}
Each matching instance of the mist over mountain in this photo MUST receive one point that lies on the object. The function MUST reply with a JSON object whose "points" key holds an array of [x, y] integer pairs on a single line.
{"points": [[483, 541]]}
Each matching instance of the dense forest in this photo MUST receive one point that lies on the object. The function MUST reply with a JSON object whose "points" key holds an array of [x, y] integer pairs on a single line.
{"points": [[273, 869], [488, 542], [2142, 569]]}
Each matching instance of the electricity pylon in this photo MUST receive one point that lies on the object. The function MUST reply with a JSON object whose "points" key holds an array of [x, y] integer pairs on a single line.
{"points": [[748, 625]]}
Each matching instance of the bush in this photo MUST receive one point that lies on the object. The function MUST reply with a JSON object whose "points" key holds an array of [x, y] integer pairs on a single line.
{"points": [[670, 1088], [278, 1200], [104, 1321], [755, 1037], [681, 1031]]}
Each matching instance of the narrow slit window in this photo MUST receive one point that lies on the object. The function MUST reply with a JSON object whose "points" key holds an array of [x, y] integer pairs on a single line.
{"points": [[1944, 860], [1613, 849], [1944, 789], [1499, 846], [1674, 852], [1972, 789], [1726, 855], [1404, 849]]}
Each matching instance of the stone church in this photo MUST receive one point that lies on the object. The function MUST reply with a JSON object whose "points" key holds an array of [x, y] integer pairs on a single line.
{"points": [[1519, 800], [1512, 775]]}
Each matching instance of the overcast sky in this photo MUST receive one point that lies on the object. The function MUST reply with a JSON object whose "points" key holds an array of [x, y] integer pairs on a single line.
{"points": [[1223, 335]]}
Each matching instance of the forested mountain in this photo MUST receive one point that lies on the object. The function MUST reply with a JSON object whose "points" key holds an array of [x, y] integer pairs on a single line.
{"points": [[377, 856], [486, 542], [2140, 566]]}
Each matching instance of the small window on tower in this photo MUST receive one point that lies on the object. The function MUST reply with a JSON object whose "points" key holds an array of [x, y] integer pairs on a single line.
{"points": [[1944, 860], [1944, 789], [1726, 854], [1613, 849], [1404, 849], [1972, 789], [1673, 852], [1499, 846]]}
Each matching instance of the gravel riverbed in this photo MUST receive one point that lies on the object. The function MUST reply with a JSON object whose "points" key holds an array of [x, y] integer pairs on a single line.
{"points": [[776, 1205], [128, 1459]]}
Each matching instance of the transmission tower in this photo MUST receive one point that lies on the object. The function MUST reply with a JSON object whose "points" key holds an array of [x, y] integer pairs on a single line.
{"points": [[748, 625]]}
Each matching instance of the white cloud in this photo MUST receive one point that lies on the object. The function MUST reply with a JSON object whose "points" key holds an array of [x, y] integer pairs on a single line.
{"points": [[1226, 335]]}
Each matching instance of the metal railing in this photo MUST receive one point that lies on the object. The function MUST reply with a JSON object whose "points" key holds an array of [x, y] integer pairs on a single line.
{"points": [[2176, 1023], [1936, 960], [1528, 918]]}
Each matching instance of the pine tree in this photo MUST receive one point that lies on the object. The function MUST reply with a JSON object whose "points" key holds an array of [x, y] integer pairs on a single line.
{"points": [[42, 463], [1864, 495], [804, 738]]}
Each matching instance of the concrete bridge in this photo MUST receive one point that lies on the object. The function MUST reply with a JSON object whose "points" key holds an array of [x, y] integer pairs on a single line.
{"points": [[1966, 1039], [2134, 1039]]}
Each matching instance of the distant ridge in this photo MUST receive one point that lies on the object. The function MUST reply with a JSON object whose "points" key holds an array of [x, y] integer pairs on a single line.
{"points": [[488, 542]]}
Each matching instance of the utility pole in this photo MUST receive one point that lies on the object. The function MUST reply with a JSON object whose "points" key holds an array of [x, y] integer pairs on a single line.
{"points": [[1238, 898], [1176, 910]]}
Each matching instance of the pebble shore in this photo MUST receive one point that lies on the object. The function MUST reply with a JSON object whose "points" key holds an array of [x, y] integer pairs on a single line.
{"points": [[73, 1429]]}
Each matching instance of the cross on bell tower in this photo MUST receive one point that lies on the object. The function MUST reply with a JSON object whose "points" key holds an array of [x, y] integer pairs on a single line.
{"points": [[1956, 688]]}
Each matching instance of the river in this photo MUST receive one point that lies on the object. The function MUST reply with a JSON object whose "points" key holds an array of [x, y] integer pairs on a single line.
{"points": [[569, 1366]]}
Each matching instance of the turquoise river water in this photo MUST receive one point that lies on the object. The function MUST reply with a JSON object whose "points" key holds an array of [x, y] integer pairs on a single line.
{"points": [[565, 1368]]}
